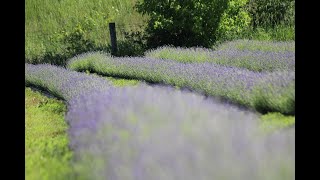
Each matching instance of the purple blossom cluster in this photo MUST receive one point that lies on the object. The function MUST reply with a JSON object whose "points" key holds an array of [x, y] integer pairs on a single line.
{"points": [[150, 132], [255, 60], [231, 83], [257, 45], [61, 82], [276, 91], [157, 133]]}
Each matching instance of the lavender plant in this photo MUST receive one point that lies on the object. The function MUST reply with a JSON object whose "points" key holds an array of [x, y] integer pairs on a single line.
{"points": [[156, 133], [275, 91], [231, 83], [161, 133], [61, 82], [229, 55], [255, 45]]}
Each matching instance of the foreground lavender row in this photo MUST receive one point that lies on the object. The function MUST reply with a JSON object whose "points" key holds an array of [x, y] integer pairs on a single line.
{"points": [[154, 133], [230, 54], [238, 85], [157, 133]]}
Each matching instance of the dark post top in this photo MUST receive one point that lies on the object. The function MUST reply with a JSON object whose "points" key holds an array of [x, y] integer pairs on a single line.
{"points": [[113, 37]]}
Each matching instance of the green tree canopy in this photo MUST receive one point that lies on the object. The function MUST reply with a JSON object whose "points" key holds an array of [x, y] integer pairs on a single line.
{"points": [[182, 22]]}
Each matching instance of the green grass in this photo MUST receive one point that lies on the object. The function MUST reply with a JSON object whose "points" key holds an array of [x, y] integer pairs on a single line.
{"points": [[117, 82], [48, 23], [120, 82], [278, 33], [275, 121], [47, 155]]}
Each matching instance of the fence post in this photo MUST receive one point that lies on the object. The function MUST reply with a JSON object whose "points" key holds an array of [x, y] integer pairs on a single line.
{"points": [[113, 37]]}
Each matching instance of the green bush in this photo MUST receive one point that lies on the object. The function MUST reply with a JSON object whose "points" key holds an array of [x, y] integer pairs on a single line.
{"points": [[182, 23], [234, 21], [269, 13]]}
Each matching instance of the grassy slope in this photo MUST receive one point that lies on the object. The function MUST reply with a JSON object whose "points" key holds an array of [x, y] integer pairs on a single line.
{"points": [[45, 17], [46, 143]]}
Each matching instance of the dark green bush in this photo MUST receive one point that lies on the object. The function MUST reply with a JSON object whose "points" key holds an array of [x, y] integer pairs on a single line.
{"points": [[133, 44], [269, 13], [182, 23]]}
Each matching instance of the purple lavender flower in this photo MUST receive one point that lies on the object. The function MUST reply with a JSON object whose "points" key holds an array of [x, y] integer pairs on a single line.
{"points": [[149, 132], [231, 83]]}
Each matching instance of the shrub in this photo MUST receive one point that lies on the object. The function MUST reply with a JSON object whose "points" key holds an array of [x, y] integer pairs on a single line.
{"points": [[234, 21], [269, 13], [182, 23]]}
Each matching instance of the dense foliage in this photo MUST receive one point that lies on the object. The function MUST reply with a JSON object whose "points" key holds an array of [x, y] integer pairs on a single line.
{"points": [[58, 30], [270, 13], [182, 23], [235, 21]]}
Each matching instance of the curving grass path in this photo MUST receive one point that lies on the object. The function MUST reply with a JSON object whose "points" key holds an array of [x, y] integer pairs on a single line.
{"points": [[47, 155]]}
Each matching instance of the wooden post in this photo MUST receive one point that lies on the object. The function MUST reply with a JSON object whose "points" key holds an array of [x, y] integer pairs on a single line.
{"points": [[113, 37]]}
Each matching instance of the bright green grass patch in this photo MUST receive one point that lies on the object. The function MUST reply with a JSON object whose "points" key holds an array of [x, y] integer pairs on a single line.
{"points": [[47, 155], [119, 82], [275, 121]]}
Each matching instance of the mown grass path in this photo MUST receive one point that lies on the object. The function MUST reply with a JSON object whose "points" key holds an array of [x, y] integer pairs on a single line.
{"points": [[47, 155]]}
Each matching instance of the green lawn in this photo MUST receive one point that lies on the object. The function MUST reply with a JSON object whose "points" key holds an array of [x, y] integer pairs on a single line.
{"points": [[47, 155], [275, 121]]}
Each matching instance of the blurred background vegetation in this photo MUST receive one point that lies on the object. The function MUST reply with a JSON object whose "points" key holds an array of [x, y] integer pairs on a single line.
{"points": [[59, 29]]}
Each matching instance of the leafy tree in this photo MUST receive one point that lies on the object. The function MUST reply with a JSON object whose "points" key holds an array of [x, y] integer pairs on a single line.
{"points": [[234, 21], [182, 22], [269, 13]]}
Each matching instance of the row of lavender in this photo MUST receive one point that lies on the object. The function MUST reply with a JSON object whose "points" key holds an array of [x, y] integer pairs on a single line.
{"points": [[161, 133], [61, 82], [257, 45], [256, 56], [263, 91]]}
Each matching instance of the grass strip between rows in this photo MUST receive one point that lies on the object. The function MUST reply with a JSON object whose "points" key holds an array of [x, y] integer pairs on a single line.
{"points": [[47, 155]]}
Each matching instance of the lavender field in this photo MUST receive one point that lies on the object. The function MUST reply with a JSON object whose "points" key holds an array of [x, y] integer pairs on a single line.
{"points": [[248, 54], [238, 85], [147, 132], [192, 119]]}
